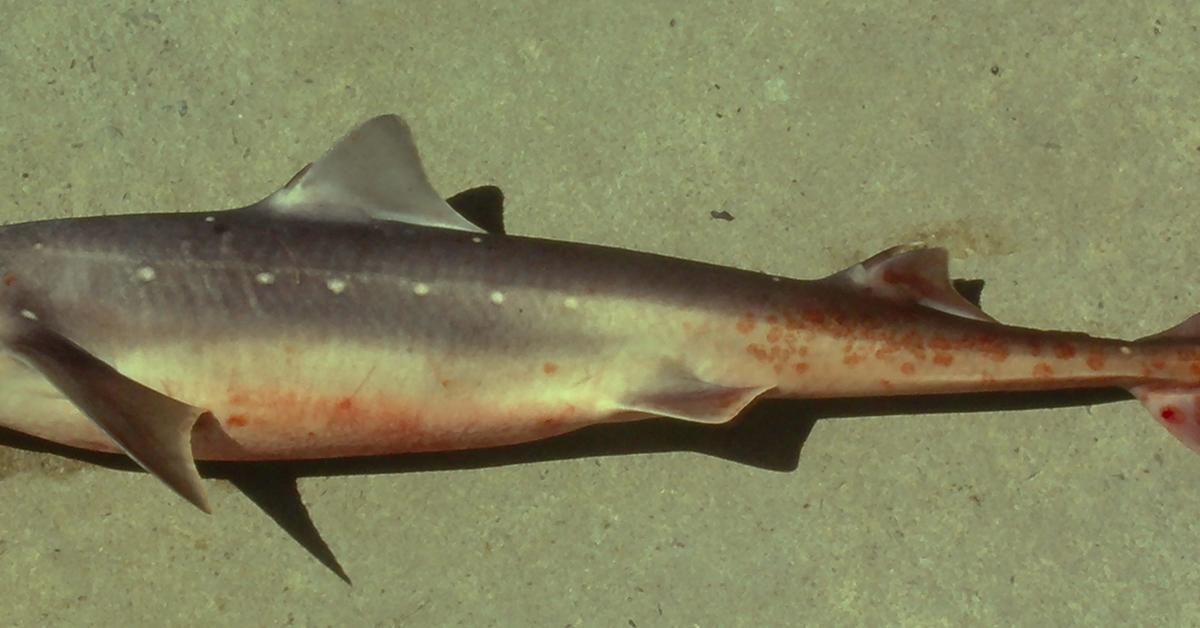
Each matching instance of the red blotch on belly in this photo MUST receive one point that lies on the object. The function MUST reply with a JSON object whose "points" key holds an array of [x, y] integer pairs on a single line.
{"points": [[1064, 351], [943, 359], [746, 324], [1095, 361], [1170, 415], [237, 420], [996, 351], [549, 368], [1041, 370], [908, 368]]}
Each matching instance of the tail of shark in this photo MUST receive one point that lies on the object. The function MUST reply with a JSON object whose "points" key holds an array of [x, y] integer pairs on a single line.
{"points": [[1177, 407]]}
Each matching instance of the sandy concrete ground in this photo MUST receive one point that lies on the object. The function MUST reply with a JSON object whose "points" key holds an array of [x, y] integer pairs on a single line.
{"points": [[1053, 150]]}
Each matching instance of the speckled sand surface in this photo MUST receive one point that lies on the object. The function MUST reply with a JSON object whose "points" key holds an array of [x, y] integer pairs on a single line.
{"points": [[1054, 150]]}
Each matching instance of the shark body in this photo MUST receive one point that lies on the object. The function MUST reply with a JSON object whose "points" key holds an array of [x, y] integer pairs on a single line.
{"points": [[354, 312]]}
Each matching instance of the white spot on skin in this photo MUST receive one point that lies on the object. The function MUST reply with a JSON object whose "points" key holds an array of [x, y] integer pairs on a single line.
{"points": [[477, 239], [37, 246], [336, 286], [209, 219], [497, 297], [30, 315], [421, 289], [265, 279], [775, 279], [1126, 350], [145, 273], [571, 303]]}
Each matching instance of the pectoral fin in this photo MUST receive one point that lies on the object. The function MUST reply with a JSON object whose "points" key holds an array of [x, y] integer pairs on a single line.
{"points": [[152, 428]]}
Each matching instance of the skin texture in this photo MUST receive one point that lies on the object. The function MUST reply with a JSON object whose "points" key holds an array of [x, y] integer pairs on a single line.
{"points": [[307, 339]]}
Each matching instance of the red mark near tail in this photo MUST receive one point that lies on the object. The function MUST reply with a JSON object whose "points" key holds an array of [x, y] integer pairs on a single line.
{"points": [[1170, 415], [758, 352], [746, 324], [1064, 351]]}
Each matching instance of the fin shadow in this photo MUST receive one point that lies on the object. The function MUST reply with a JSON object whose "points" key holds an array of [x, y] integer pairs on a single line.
{"points": [[769, 435], [483, 206], [271, 486], [969, 289], [273, 489]]}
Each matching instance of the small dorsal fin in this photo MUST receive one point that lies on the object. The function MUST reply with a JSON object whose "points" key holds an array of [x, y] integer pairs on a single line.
{"points": [[373, 173], [911, 273]]}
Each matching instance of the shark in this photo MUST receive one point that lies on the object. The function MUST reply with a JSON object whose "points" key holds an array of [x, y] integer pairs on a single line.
{"points": [[356, 312]]}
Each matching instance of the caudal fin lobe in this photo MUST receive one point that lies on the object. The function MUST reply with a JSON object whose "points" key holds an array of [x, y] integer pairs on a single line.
{"points": [[1176, 406]]}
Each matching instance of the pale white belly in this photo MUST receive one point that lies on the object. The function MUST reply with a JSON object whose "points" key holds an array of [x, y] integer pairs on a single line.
{"points": [[278, 400]]}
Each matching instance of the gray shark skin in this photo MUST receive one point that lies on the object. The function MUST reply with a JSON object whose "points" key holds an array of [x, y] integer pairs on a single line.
{"points": [[354, 312]]}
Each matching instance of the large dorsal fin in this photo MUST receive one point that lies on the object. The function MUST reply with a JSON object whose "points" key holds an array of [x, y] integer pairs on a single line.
{"points": [[373, 173], [911, 273]]}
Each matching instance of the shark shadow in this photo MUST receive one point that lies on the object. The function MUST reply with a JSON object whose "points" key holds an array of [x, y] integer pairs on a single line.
{"points": [[770, 435]]}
